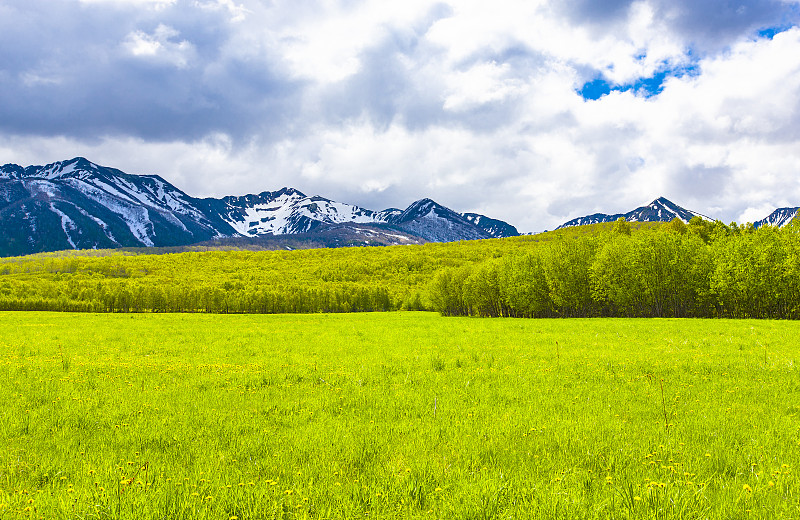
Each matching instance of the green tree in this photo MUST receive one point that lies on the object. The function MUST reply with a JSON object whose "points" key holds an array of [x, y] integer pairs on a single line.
{"points": [[621, 227]]}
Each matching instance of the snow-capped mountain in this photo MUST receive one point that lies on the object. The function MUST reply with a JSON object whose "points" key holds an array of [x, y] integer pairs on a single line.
{"points": [[780, 217], [287, 212], [77, 204], [660, 210]]}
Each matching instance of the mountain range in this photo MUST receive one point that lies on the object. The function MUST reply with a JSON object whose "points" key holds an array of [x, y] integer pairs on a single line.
{"points": [[78, 204], [660, 210], [664, 210]]}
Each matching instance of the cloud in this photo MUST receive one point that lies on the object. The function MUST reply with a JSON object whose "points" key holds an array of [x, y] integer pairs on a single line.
{"points": [[597, 12], [325, 45], [706, 26], [715, 23], [237, 12], [124, 69], [476, 105], [152, 4], [481, 84], [160, 46]]}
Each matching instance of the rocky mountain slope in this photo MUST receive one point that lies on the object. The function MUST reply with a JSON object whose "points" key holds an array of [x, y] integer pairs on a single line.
{"points": [[780, 217]]}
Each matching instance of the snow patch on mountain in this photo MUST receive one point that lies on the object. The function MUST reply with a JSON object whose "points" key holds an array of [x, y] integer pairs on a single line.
{"points": [[101, 224], [42, 188], [135, 216], [138, 221], [388, 215], [67, 224]]}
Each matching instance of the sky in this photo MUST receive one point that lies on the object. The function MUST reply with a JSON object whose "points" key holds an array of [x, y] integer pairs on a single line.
{"points": [[534, 111]]}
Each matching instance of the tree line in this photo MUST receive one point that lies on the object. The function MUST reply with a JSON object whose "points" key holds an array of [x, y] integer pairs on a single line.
{"points": [[699, 269], [703, 269], [323, 280]]}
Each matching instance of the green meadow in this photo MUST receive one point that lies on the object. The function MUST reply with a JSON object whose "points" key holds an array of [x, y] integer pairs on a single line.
{"points": [[396, 415]]}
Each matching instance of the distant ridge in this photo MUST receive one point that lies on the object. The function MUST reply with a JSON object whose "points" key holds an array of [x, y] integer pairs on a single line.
{"points": [[780, 217], [78, 204], [660, 210]]}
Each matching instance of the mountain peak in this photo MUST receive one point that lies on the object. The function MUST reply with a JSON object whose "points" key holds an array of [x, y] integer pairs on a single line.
{"points": [[423, 203], [289, 192], [663, 202], [81, 162], [436, 223], [779, 218], [660, 210], [419, 209], [60, 169], [272, 195]]}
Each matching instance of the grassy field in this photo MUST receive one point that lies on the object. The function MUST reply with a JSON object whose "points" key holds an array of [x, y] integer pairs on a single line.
{"points": [[396, 415]]}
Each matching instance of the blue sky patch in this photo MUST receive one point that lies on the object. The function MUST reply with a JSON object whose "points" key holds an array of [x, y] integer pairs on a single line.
{"points": [[595, 89], [770, 32], [645, 87]]}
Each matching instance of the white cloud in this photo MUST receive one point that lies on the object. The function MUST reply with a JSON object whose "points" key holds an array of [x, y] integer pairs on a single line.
{"points": [[237, 12], [636, 48], [161, 46], [482, 83], [325, 44], [32, 78]]}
